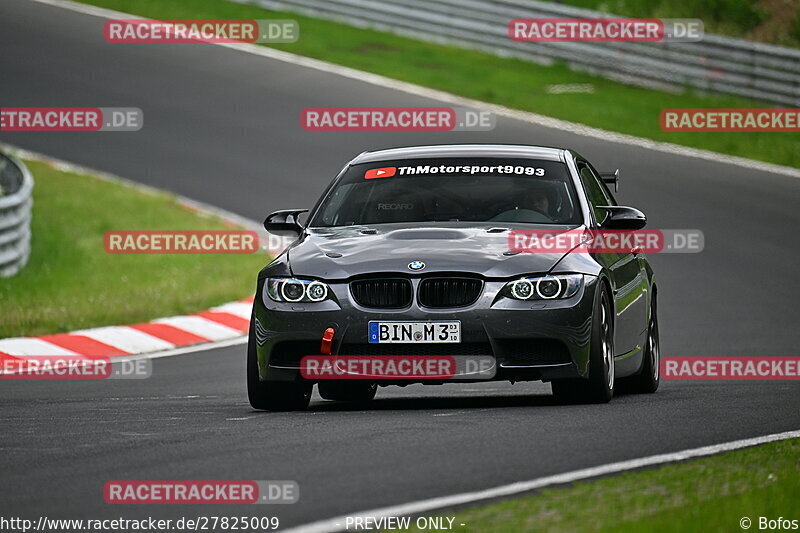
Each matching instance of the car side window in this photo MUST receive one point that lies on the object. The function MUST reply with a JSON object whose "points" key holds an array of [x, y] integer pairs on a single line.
{"points": [[594, 191]]}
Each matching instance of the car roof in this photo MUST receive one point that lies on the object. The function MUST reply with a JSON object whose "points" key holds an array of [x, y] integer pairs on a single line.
{"points": [[463, 150]]}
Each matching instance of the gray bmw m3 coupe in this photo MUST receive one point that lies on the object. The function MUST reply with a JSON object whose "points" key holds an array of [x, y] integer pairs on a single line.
{"points": [[410, 253]]}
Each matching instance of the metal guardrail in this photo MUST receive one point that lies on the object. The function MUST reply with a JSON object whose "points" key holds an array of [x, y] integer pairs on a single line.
{"points": [[16, 203], [716, 64]]}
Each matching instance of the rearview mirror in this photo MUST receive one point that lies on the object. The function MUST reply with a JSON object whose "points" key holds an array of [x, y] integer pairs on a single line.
{"points": [[622, 217], [285, 223]]}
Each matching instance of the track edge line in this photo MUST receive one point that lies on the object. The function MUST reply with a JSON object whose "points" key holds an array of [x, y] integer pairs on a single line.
{"points": [[336, 524]]}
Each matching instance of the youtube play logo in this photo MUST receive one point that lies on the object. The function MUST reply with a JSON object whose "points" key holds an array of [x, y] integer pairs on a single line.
{"points": [[385, 172]]}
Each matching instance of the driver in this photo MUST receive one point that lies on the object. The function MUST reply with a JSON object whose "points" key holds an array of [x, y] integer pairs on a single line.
{"points": [[535, 198], [526, 204]]}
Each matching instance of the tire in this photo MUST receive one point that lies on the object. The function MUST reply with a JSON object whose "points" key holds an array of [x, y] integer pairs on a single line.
{"points": [[272, 395], [599, 387], [648, 379], [347, 391]]}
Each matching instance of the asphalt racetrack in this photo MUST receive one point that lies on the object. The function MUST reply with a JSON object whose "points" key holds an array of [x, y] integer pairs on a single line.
{"points": [[222, 127]]}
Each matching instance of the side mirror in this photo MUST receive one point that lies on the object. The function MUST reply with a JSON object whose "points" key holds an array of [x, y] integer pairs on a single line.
{"points": [[621, 217], [284, 223]]}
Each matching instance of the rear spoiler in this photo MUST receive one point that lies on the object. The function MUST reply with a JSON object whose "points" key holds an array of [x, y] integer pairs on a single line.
{"points": [[611, 177]]}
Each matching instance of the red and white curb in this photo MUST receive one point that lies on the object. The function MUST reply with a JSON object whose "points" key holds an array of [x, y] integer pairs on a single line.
{"points": [[223, 323]]}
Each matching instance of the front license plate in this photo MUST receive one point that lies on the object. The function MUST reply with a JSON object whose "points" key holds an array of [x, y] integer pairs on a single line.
{"points": [[413, 332]]}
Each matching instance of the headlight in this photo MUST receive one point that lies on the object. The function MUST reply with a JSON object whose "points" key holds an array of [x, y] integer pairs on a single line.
{"points": [[296, 290], [544, 287]]}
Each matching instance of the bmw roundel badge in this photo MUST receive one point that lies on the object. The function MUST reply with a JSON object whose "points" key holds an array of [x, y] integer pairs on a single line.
{"points": [[416, 265]]}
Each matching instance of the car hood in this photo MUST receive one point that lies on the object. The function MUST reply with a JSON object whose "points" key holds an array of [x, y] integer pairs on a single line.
{"points": [[339, 253]]}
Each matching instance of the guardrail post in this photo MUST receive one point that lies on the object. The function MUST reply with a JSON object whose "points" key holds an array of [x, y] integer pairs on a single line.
{"points": [[16, 203]]}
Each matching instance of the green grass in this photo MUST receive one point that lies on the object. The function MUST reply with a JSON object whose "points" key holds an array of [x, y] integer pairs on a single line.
{"points": [[703, 495], [512, 83], [761, 20], [70, 282]]}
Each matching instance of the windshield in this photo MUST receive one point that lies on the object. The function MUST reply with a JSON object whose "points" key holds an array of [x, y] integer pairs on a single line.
{"points": [[525, 191]]}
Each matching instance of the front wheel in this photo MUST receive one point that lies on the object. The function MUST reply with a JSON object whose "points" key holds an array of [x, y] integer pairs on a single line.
{"points": [[599, 387], [272, 395]]}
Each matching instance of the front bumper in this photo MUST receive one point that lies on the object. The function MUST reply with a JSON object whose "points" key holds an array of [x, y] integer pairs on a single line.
{"points": [[530, 340]]}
